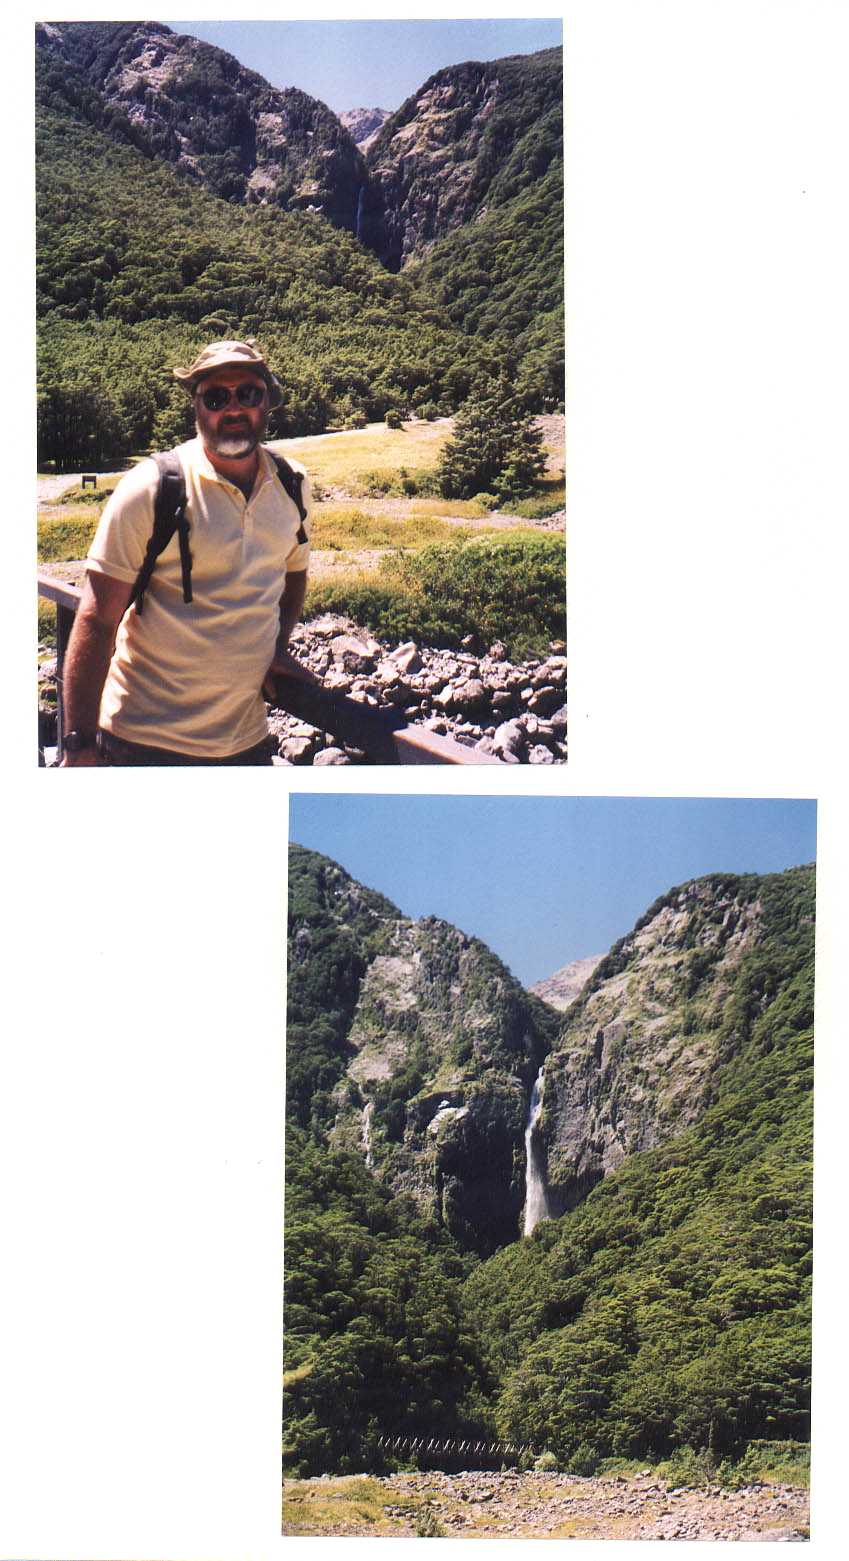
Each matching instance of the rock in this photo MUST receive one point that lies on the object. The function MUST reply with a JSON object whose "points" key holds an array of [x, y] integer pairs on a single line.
{"points": [[509, 738], [407, 658], [545, 700], [355, 655], [296, 749], [446, 697], [497, 652], [331, 756], [471, 696], [337, 680], [502, 699]]}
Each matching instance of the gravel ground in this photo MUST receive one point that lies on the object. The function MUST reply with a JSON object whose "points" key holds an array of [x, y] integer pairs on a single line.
{"points": [[552, 1506]]}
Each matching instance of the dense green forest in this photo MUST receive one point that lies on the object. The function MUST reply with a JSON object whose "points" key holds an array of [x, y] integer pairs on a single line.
{"points": [[669, 1310]]}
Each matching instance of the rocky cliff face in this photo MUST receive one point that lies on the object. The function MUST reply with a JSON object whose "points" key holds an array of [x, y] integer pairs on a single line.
{"points": [[437, 1064], [638, 1055], [561, 989], [437, 1046], [222, 124], [363, 124], [472, 135]]}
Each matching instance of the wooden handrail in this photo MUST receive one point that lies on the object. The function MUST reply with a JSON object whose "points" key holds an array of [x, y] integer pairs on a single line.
{"points": [[383, 735]]}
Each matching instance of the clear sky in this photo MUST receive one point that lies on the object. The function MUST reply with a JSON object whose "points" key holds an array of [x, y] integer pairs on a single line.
{"points": [[368, 64], [545, 880]]}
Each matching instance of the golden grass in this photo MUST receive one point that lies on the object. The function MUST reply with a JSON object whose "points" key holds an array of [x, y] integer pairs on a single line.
{"points": [[337, 458], [339, 1506], [65, 536]]}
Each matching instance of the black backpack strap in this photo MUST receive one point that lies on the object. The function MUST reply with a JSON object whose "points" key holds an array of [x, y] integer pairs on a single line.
{"points": [[169, 515], [292, 481]]}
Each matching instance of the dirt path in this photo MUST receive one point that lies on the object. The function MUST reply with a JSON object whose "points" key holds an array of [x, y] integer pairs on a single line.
{"points": [[542, 1506], [50, 489]]}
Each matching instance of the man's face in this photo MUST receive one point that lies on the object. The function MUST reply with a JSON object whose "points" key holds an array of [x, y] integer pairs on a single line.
{"points": [[234, 430]]}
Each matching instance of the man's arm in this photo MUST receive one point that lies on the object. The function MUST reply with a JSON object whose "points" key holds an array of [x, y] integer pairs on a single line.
{"points": [[102, 606], [291, 607]]}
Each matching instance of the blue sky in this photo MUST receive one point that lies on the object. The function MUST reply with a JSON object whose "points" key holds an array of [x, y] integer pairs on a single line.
{"points": [[544, 880], [368, 64]]}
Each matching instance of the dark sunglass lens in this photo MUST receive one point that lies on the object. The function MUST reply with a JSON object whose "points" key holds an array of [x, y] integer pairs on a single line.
{"points": [[249, 395], [215, 398]]}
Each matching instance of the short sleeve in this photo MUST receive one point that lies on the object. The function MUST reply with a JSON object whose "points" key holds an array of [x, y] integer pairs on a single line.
{"points": [[124, 529]]}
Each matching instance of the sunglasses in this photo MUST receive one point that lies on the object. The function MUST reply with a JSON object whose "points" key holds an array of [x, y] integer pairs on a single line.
{"points": [[218, 396]]}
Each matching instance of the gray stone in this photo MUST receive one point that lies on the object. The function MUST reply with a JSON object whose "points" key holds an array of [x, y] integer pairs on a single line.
{"points": [[331, 756], [296, 749], [509, 738]]}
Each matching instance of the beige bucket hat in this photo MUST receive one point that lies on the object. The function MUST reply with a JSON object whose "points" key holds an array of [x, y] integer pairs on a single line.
{"points": [[229, 354]]}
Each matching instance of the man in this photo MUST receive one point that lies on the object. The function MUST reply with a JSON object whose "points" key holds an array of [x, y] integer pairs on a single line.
{"points": [[178, 682]]}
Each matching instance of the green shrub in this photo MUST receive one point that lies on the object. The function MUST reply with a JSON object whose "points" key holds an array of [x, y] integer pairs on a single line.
{"points": [[690, 1468], [787, 1462], [585, 1459], [393, 419], [546, 1463], [513, 591]]}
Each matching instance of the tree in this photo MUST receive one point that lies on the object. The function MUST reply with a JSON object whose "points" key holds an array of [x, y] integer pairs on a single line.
{"points": [[496, 446]]}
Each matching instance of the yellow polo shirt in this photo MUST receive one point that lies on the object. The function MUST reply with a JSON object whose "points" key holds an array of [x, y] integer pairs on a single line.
{"points": [[187, 675]]}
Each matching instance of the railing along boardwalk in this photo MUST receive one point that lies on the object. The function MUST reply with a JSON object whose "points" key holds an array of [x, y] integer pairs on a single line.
{"points": [[382, 735]]}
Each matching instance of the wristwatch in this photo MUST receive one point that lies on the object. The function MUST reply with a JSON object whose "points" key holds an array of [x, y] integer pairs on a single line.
{"points": [[75, 742]]}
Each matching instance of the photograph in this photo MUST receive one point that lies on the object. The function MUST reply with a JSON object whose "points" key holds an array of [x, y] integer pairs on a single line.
{"points": [[300, 389], [549, 1168], [428, 1142]]}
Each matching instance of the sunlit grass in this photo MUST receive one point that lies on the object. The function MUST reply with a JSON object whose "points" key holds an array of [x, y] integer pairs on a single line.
{"points": [[339, 458], [339, 1506], [348, 529], [61, 538]]}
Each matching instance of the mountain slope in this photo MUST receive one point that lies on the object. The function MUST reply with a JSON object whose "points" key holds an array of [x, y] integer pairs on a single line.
{"points": [[433, 1062], [137, 267], [223, 125], [473, 136], [672, 1307]]}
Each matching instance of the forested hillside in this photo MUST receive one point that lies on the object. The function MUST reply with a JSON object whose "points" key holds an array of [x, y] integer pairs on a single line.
{"points": [[669, 1307], [122, 298], [168, 215]]}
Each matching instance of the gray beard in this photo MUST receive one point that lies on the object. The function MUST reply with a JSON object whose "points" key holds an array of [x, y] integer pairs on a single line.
{"points": [[233, 446]]}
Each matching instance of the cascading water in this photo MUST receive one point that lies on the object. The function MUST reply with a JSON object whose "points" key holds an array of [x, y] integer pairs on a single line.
{"points": [[367, 1111], [358, 227], [536, 1201]]}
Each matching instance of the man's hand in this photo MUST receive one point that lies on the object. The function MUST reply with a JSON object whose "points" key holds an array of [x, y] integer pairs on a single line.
{"points": [[284, 665]]}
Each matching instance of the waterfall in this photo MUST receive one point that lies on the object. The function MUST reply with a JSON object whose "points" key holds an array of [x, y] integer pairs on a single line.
{"points": [[367, 1111], [360, 204], [536, 1202]]}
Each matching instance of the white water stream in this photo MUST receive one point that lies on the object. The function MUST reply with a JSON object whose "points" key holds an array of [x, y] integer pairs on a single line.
{"points": [[536, 1201], [367, 1111]]}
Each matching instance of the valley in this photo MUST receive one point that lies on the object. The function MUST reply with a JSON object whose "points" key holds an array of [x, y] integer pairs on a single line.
{"points": [[644, 1293]]}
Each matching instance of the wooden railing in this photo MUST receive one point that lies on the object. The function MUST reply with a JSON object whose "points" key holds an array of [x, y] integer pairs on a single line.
{"points": [[384, 736]]}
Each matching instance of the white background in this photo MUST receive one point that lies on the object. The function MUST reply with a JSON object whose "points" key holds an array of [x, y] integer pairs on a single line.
{"points": [[142, 1081]]}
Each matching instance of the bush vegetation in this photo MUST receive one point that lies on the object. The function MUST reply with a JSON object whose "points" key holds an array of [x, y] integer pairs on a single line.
{"points": [[513, 590]]}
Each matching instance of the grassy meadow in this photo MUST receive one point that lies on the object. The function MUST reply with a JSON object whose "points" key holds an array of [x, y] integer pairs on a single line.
{"points": [[395, 558]]}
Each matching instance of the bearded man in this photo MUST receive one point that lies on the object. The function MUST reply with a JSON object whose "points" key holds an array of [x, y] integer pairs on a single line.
{"points": [[181, 681]]}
